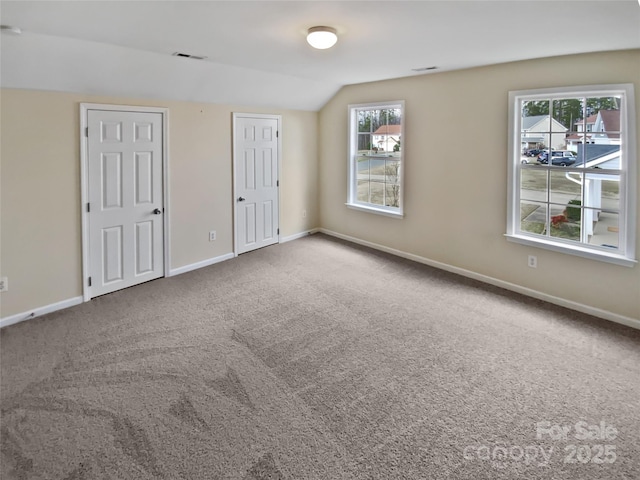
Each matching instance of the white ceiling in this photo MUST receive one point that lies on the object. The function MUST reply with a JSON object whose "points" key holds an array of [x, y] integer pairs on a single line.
{"points": [[257, 53]]}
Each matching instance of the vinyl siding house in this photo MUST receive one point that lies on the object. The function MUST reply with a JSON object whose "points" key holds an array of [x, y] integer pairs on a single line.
{"points": [[386, 137], [536, 130], [600, 129]]}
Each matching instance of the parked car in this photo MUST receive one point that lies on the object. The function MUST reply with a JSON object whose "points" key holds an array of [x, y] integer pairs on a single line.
{"points": [[561, 158], [533, 152]]}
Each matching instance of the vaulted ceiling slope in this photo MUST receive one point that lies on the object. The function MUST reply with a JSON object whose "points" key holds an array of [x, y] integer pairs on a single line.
{"points": [[256, 50]]}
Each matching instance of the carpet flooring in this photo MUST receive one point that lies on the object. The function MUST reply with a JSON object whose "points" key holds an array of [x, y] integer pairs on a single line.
{"points": [[319, 359]]}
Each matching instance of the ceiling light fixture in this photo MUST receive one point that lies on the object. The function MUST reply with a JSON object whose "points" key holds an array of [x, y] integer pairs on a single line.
{"points": [[322, 37]]}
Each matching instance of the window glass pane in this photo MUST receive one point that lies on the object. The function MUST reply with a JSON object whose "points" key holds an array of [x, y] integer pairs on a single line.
{"points": [[604, 138], [364, 121], [597, 104], [392, 181], [564, 187], [533, 217], [387, 130], [377, 193], [364, 144], [577, 144], [395, 116], [611, 193], [535, 133], [601, 156], [569, 113], [602, 192], [363, 191], [565, 221], [377, 169], [534, 184], [392, 171], [535, 114], [605, 230], [363, 169], [392, 198], [531, 145]]}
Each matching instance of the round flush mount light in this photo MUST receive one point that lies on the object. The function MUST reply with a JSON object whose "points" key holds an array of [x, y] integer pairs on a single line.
{"points": [[322, 37], [11, 29]]}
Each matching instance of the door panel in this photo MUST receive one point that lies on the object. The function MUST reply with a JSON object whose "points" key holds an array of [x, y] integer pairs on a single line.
{"points": [[144, 247], [250, 169], [111, 180], [125, 189], [250, 225], [267, 168], [143, 182], [267, 215], [256, 182], [112, 254]]}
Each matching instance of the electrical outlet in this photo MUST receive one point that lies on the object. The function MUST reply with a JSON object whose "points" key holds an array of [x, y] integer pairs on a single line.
{"points": [[532, 261], [4, 284], [212, 236], [304, 214]]}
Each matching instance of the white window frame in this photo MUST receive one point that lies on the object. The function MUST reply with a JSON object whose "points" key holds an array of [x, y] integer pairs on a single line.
{"points": [[625, 255], [352, 187]]}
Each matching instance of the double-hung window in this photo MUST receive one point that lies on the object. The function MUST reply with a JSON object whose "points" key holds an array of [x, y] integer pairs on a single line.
{"points": [[572, 171], [376, 138]]}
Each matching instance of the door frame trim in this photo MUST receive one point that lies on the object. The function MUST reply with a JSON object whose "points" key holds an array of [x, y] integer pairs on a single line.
{"points": [[235, 116], [84, 183]]}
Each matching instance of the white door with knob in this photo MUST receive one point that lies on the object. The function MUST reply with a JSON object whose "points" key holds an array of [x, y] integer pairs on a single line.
{"points": [[256, 181], [125, 207]]}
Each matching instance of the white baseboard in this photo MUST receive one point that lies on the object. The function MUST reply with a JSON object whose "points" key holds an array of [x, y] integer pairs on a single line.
{"points": [[296, 236], [36, 312], [28, 315], [596, 312], [197, 265]]}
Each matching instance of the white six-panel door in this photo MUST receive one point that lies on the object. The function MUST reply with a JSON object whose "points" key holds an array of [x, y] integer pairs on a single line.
{"points": [[125, 196], [256, 181]]}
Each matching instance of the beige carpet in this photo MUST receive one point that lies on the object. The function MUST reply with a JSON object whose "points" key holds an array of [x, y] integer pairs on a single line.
{"points": [[318, 359]]}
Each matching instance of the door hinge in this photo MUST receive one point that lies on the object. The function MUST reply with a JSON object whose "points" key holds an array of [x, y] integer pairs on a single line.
{"points": [[277, 183], [89, 281], [277, 133], [86, 131], [278, 231], [88, 207]]}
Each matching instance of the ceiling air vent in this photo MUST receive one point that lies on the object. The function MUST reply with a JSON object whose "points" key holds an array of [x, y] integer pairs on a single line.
{"points": [[186, 55], [424, 69]]}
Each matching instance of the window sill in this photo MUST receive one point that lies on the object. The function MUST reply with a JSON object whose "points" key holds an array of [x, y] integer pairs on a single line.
{"points": [[378, 211], [573, 250]]}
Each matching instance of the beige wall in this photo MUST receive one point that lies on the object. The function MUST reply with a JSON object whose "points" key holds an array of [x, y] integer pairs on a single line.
{"points": [[455, 190], [456, 169], [40, 234]]}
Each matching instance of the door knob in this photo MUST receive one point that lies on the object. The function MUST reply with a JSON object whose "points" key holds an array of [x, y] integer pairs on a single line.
{"points": [[157, 211], [241, 199]]}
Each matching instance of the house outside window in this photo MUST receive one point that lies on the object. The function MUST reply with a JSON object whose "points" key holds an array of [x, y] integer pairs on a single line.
{"points": [[579, 197], [376, 157]]}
